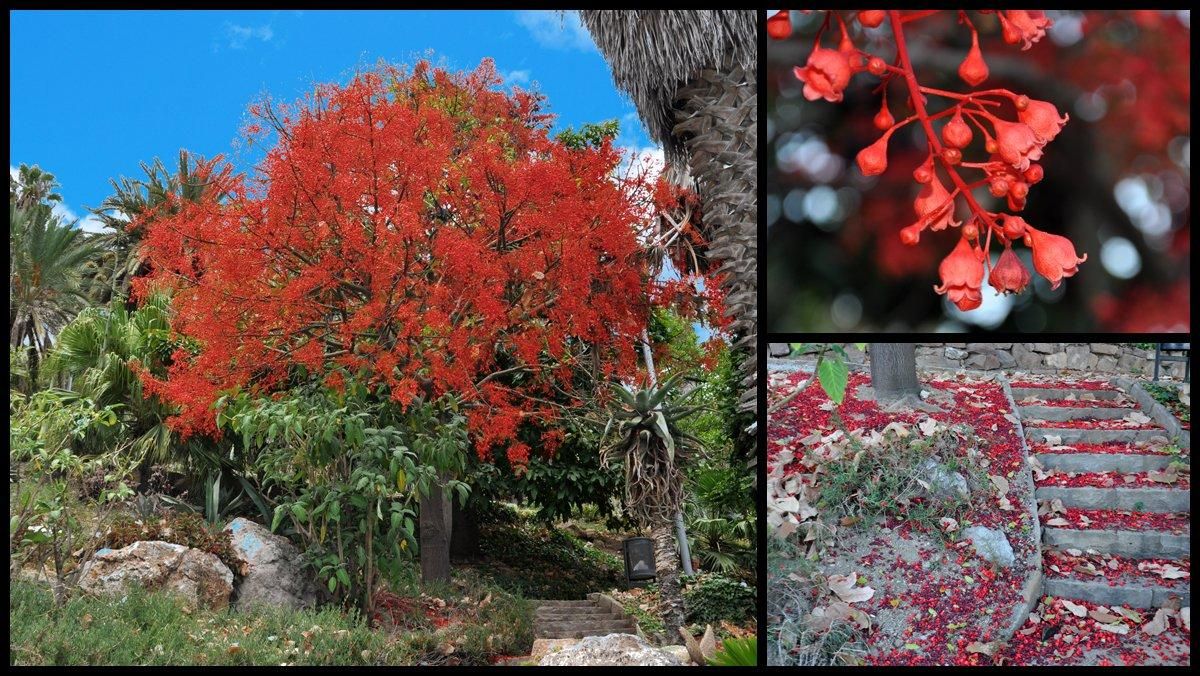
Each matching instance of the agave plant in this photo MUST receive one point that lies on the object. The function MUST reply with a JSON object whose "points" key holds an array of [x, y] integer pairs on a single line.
{"points": [[651, 447]]}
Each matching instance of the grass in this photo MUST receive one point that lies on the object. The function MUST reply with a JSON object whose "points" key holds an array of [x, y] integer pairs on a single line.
{"points": [[477, 624]]}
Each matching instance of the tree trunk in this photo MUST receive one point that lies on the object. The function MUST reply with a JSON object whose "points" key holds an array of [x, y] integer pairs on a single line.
{"points": [[894, 370], [666, 567], [436, 521]]}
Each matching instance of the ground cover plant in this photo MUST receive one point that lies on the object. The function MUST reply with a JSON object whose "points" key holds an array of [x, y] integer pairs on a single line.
{"points": [[1176, 398]]}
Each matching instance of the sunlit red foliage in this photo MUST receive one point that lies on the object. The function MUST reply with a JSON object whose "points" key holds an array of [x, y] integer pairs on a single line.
{"points": [[420, 229]]}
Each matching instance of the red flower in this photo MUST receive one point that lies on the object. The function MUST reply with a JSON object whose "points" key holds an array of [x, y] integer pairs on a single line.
{"points": [[1009, 275], [973, 70], [956, 132], [962, 277], [825, 76], [1053, 256], [1014, 226], [934, 206], [1023, 26], [872, 160], [1017, 143], [779, 26], [1042, 117]]}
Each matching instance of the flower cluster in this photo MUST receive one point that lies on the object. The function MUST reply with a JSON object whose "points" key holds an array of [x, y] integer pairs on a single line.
{"points": [[1012, 129]]}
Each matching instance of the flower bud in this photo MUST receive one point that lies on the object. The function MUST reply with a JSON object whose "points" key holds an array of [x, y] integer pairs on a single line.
{"points": [[973, 70], [1034, 173], [952, 155], [876, 66], [1021, 102], [998, 187], [924, 173], [1053, 256], [872, 160], [884, 119], [1019, 190], [1009, 275], [970, 231], [956, 132], [1014, 227], [912, 234], [871, 18], [779, 26]]}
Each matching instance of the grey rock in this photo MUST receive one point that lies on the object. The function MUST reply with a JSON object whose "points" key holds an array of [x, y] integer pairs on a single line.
{"points": [[616, 650], [1025, 357], [1045, 348], [274, 574], [1080, 358], [1105, 348], [199, 577], [985, 361], [992, 545], [1057, 360], [1107, 364], [955, 353], [943, 483]]}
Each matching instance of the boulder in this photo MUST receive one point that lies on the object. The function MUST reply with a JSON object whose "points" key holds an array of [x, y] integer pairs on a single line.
{"points": [[196, 575], [681, 653], [1045, 348], [992, 545], [1105, 348], [779, 349], [612, 650], [549, 646], [943, 483], [984, 360], [1025, 357], [274, 573], [1056, 360], [1080, 358], [1106, 364]]}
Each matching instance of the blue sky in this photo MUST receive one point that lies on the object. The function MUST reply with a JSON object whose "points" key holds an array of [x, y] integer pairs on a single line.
{"points": [[95, 93]]}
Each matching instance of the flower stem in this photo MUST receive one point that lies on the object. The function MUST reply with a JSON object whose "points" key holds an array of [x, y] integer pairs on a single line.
{"points": [[914, 90]]}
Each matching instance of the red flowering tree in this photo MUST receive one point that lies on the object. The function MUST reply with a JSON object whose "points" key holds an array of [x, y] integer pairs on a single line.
{"points": [[950, 116], [420, 231]]}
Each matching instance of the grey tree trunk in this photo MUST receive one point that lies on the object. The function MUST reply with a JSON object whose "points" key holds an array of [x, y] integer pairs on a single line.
{"points": [[666, 567], [464, 535], [894, 370], [436, 521]]}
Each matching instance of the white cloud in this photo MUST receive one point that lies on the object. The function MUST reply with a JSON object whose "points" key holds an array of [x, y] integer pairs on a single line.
{"points": [[556, 30], [89, 223], [237, 36], [649, 159], [516, 77]]}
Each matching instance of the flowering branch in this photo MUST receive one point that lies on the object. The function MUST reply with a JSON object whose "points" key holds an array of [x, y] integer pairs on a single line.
{"points": [[1013, 141]]}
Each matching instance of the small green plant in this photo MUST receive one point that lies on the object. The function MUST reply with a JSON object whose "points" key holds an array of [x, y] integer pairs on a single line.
{"points": [[711, 598], [737, 652]]}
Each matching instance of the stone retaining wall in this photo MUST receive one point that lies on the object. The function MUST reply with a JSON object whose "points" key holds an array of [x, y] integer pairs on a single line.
{"points": [[1089, 357]]}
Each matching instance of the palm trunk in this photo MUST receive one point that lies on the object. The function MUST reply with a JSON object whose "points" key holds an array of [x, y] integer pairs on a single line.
{"points": [[717, 120], [666, 566]]}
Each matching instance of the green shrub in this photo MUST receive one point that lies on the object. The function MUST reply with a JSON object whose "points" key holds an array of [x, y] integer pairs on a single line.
{"points": [[145, 628], [737, 652], [711, 598]]}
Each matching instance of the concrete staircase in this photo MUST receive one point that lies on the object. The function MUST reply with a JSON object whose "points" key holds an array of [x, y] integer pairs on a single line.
{"points": [[1118, 452], [577, 619]]}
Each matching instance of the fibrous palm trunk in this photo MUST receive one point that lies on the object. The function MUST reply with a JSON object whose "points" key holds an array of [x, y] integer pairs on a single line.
{"points": [[666, 567]]}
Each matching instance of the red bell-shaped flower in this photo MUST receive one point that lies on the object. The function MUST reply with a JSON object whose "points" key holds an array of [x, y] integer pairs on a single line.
{"points": [[825, 75], [933, 204], [1024, 26], [1043, 119], [1009, 275], [962, 276], [956, 132], [1053, 256], [1017, 144]]}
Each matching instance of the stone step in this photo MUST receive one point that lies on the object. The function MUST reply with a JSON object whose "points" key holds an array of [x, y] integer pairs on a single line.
{"points": [[563, 604], [586, 628], [1125, 463], [1082, 435], [580, 613], [1133, 544], [1164, 500], [1072, 413], [1134, 596], [1047, 393]]}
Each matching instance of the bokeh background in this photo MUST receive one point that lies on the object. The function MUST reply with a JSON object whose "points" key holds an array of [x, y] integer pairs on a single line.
{"points": [[1117, 180]]}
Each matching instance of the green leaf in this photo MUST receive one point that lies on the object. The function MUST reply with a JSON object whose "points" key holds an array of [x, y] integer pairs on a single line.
{"points": [[833, 375], [343, 576], [332, 583], [300, 512], [862, 347], [912, 646]]}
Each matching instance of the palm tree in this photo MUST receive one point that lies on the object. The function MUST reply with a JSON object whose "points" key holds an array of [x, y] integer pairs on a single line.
{"points": [[692, 74], [32, 186], [120, 261], [45, 289]]}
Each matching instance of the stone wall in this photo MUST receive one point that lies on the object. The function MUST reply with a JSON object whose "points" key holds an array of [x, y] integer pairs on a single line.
{"points": [[1122, 358]]}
